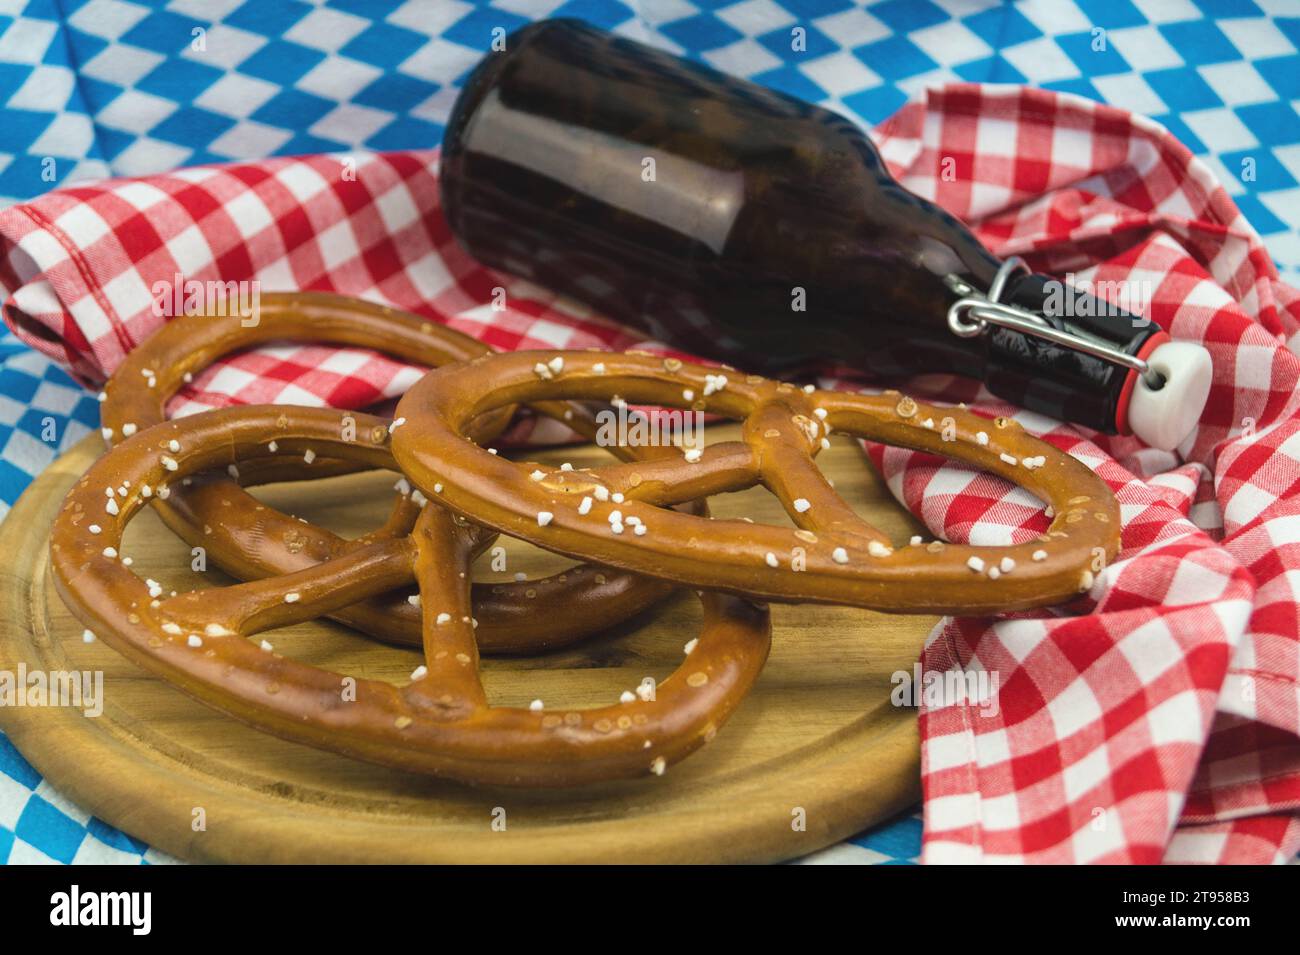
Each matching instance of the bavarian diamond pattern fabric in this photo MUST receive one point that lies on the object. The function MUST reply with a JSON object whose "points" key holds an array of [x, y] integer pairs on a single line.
{"points": [[114, 88], [108, 86]]}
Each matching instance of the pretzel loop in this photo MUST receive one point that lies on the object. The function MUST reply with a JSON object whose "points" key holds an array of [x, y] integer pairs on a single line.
{"points": [[440, 722], [831, 556], [251, 541]]}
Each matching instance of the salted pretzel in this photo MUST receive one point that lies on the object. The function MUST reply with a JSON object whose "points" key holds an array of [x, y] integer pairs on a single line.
{"points": [[618, 514], [250, 540], [440, 721]]}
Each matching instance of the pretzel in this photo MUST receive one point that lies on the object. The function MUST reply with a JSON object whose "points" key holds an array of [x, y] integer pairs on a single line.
{"points": [[440, 721], [250, 540], [830, 556]]}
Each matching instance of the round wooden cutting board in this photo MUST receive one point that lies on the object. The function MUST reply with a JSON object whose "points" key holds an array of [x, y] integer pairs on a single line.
{"points": [[816, 753]]}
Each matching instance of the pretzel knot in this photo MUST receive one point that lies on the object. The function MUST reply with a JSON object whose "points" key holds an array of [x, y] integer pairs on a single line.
{"points": [[830, 556], [252, 541], [440, 722]]}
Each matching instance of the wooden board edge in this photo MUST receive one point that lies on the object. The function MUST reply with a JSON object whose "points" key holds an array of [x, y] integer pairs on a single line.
{"points": [[130, 791]]}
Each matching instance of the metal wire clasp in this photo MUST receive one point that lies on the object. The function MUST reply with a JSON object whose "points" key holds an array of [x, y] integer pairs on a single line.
{"points": [[971, 315]]}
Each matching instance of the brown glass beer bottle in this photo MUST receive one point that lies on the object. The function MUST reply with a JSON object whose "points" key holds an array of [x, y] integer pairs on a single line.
{"points": [[738, 223]]}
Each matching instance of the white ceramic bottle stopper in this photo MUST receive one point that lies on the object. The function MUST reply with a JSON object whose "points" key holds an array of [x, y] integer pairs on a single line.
{"points": [[1163, 417]]}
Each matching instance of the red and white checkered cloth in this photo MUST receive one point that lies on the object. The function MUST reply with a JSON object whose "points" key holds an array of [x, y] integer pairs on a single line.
{"points": [[1156, 718]]}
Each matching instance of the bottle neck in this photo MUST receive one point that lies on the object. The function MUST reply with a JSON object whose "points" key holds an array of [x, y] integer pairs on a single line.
{"points": [[1062, 380]]}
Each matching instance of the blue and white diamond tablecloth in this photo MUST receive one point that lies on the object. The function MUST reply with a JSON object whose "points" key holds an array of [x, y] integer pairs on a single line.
{"points": [[90, 88]]}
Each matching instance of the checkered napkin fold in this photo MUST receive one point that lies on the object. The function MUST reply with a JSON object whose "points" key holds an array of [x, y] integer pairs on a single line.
{"points": [[1156, 718]]}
